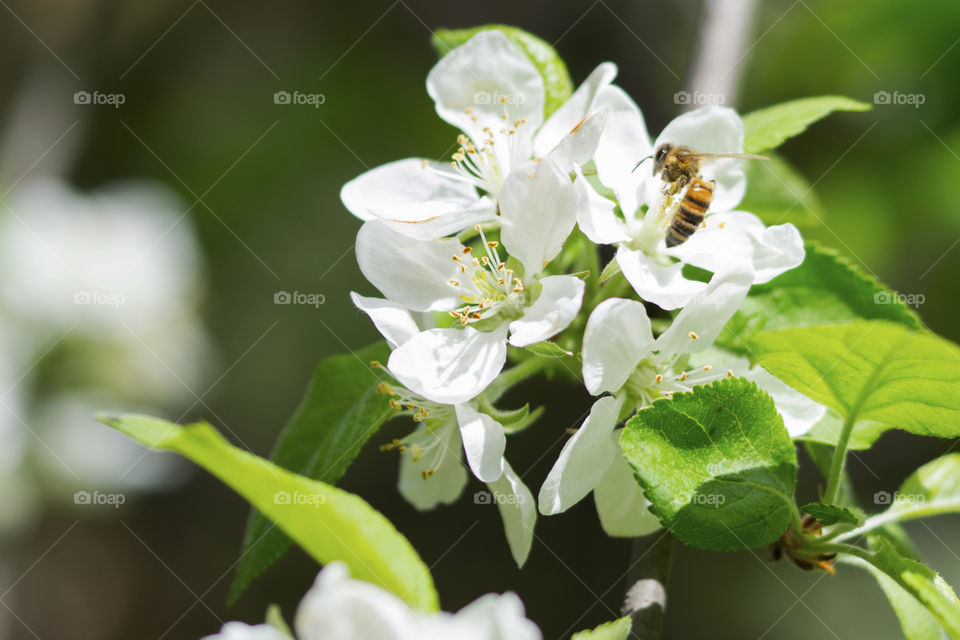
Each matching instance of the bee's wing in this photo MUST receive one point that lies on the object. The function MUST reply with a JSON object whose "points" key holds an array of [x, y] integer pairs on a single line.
{"points": [[742, 156]]}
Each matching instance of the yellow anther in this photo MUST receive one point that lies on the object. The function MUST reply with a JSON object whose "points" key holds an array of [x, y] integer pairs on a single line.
{"points": [[467, 249], [729, 373], [659, 378], [693, 336], [707, 368], [493, 243], [454, 283], [376, 364], [683, 376]]}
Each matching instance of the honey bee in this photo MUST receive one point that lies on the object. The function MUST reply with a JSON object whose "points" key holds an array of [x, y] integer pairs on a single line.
{"points": [[679, 168]]}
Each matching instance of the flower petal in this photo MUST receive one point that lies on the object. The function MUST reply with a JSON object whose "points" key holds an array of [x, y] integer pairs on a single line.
{"points": [[518, 510], [799, 412], [412, 189], [469, 83], [337, 606], [450, 366], [711, 129], [620, 502], [571, 112], [623, 143], [664, 286], [241, 631], [595, 214], [583, 459], [483, 442], [552, 312], [738, 238], [578, 146], [494, 617], [699, 323], [616, 338], [414, 273], [446, 223], [425, 490], [538, 206], [393, 321]]}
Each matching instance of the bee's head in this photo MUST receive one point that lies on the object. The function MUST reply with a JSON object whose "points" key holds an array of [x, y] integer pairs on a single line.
{"points": [[660, 157]]}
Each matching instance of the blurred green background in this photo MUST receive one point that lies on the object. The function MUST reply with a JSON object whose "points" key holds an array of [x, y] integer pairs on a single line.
{"points": [[199, 115]]}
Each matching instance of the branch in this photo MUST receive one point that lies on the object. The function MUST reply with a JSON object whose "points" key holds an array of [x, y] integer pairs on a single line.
{"points": [[647, 598]]}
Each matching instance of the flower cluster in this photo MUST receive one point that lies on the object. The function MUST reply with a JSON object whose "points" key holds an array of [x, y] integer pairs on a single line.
{"points": [[494, 257]]}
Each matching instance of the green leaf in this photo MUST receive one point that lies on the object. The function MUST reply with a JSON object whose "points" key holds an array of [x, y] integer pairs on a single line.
{"points": [[768, 128], [556, 79], [717, 465], [329, 523], [548, 349], [915, 621], [876, 371], [614, 630], [922, 583], [610, 270], [777, 194], [336, 417], [829, 514], [825, 289]]}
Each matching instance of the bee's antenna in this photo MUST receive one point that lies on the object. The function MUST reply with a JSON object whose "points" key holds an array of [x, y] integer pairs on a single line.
{"points": [[640, 163]]}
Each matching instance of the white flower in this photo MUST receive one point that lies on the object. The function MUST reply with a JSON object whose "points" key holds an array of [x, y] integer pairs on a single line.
{"points": [[730, 239], [489, 90], [338, 607], [490, 299], [622, 358], [431, 471]]}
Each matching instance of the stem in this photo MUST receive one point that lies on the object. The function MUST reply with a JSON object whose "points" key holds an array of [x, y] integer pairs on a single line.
{"points": [[646, 599], [923, 510], [836, 464], [514, 375]]}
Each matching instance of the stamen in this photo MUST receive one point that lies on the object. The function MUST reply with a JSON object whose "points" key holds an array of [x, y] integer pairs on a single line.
{"points": [[693, 336]]}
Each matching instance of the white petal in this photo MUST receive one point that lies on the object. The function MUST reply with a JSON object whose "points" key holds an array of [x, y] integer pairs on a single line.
{"points": [[450, 366], [538, 206], [494, 617], [477, 75], [551, 313], [414, 273], [615, 340], [595, 214], [241, 631], [620, 502], [739, 238], [449, 476], [799, 412], [712, 129], [411, 190], [583, 459], [393, 321], [574, 109], [623, 143], [337, 606], [446, 223], [699, 323], [483, 442], [664, 286], [518, 510], [578, 146]]}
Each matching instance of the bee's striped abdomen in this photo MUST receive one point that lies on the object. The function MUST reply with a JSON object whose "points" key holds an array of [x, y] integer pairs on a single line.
{"points": [[690, 211]]}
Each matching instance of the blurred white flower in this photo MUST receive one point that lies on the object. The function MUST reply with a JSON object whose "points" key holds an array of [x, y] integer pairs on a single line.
{"points": [[338, 607], [488, 297], [730, 239], [489, 90]]}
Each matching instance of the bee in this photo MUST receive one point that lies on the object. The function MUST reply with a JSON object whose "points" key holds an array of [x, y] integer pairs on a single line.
{"points": [[679, 168]]}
